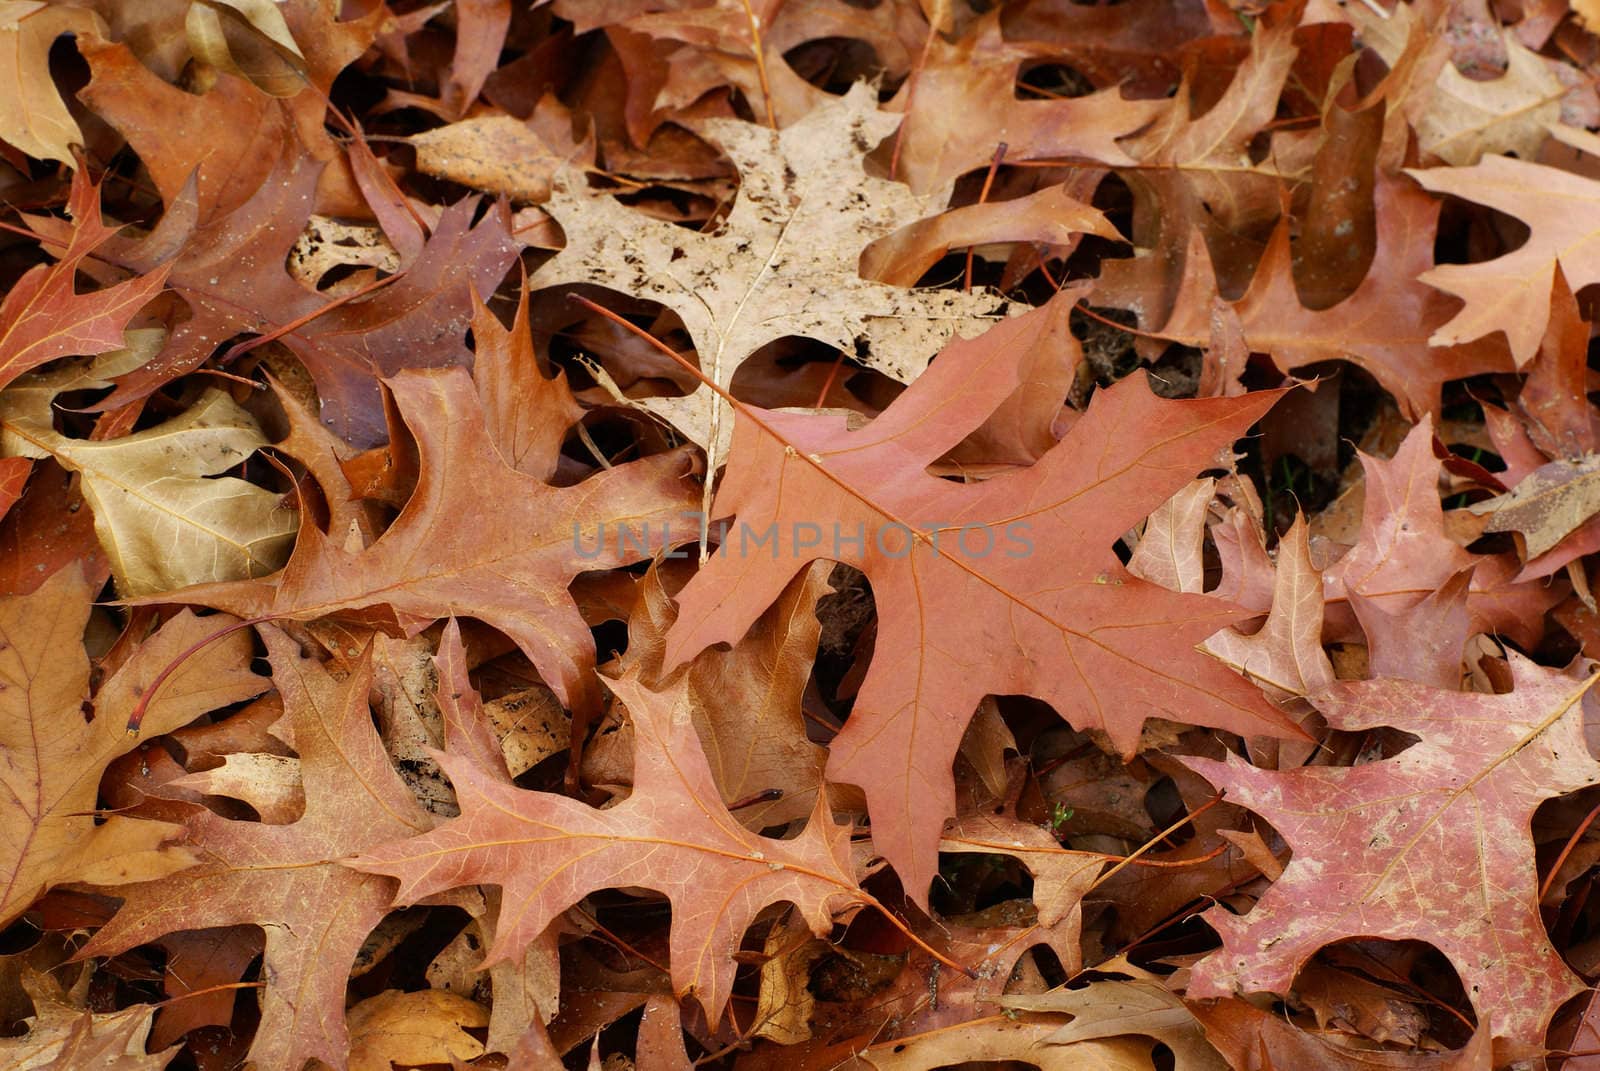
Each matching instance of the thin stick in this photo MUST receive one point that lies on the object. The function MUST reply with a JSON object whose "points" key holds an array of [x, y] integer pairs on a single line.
{"points": [[238, 349], [758, 50], [208, 989], [827, 384], [897, 923], [251, 383], [1120, 327], [136, 718], [983, 195], [1157, 839], [911, 99], [1572, 842]]}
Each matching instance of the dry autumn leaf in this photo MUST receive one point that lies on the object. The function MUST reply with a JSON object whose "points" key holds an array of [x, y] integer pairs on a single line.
{"points": [[164, 514], [1511, 293], [64, 1036], [1020, 527], [977, 615], [669, 835], [782, 263], [55, 754], [1454, 807], [288, 879], [511, 570], [33, 116], [1548, 504], [43, 317], [426, 1027]]}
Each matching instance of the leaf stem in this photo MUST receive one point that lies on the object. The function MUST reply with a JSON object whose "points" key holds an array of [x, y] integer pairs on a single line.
{"points": [[1572, 842], [983, 195], [1157, 839], [238, 349], [136, 718]]}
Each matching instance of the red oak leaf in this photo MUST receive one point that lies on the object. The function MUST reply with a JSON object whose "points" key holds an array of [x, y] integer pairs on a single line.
{"points": [[286, 878], [44, 317], [1432, 844], [508, 565], [1010, 586], [672, 835]]}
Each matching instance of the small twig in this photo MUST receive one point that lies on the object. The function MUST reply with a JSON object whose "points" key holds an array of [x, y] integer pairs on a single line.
{"points": [[136, 718], [1157, 839], [983, 195], [238, 349]]}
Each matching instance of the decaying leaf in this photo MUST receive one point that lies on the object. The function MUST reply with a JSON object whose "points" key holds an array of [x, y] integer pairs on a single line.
{"points": [[1454, 807], [783, 262], [1548, 504], [164, 517], [55, 753], [64, 1036]]}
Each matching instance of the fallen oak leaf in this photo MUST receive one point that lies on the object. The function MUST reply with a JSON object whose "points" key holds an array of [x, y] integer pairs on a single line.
{"points": [[510, 568], [1511, 293], [671, 835], [1383, 326], [1114, 1007], [55, 755], [1403, 553], [43, 317], [746, 703], [1285, 655], [231, 273], [265, 52], [425, 1027], [784, 262], [1458, 118], [965, 92], [956, 623], [994, 1039], [1249, 1037], [1455, 807], [498, 154], [65, 1036], [287, 879]]}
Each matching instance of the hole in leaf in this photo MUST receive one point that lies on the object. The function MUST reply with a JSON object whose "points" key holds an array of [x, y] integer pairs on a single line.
{"points": [[1051, 81], [834, 64], [1388, 994]]}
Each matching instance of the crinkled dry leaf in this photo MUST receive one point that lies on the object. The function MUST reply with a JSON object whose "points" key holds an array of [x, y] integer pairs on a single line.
{"points": [[63, 1036], [782, 263], [55, 755], [1548, 504], [426, 1027], [32, 114], [164, 516]]}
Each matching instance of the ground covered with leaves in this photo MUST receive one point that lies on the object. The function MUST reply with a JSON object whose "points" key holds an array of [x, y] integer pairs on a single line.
{"points": [[799, 534]]}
